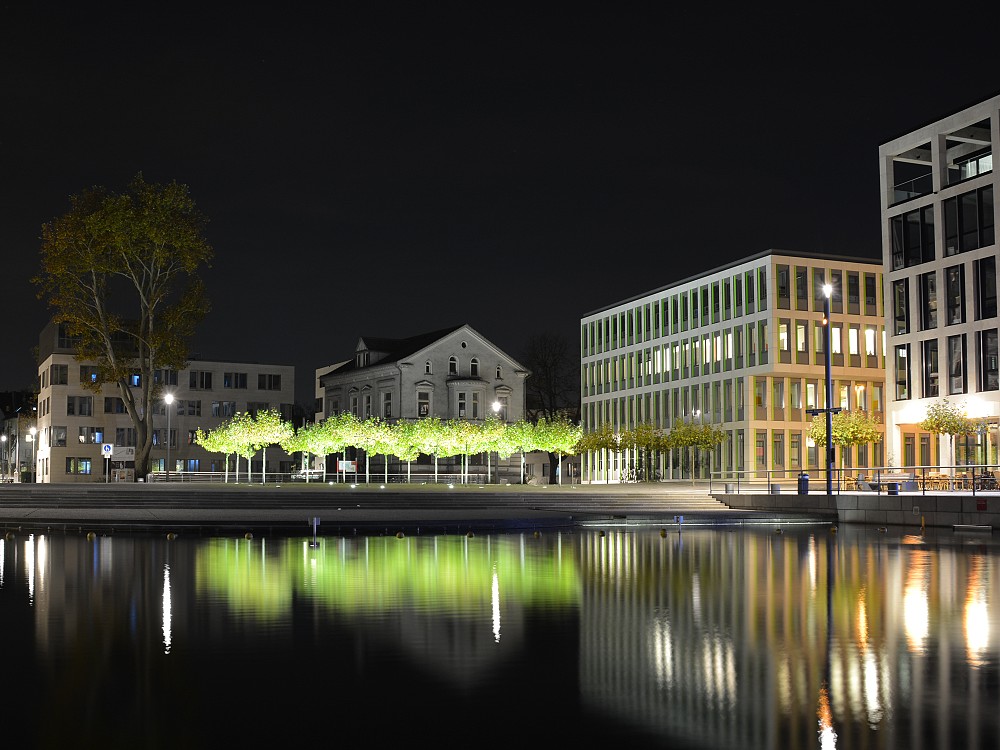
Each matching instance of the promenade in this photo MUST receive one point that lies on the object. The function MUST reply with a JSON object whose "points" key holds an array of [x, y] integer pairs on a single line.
{"points": [[364, 509]]}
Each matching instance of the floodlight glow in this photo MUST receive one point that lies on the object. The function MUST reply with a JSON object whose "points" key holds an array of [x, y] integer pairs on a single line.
{"points": [[827, 290]]}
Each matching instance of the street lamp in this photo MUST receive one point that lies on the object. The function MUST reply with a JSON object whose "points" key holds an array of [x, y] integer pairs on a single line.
{"points": [[31, 453], [6, 456], [496, 411], [168, 399], [830, 410]]}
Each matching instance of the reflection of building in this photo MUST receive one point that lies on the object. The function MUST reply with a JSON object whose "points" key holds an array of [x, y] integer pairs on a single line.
{"points": [[74, 422], [939, 253], [739, 347]]}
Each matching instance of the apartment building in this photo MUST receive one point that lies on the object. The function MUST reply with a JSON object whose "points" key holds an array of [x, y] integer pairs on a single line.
{"points": [[74, 423], [740, 347], [940, 265]]}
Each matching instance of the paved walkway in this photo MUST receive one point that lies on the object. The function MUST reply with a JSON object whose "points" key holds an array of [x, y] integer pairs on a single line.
{"points": [[341, 508]]}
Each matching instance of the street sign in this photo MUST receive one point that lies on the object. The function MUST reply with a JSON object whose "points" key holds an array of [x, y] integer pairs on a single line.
{"points": [[123, 453], [107, 450]]}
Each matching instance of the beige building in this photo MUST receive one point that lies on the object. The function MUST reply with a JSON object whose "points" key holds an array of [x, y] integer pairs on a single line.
{"points": [[740, 347], [75, 424], [940, 264]]}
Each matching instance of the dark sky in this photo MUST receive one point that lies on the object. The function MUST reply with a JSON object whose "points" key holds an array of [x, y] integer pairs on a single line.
{"points": [[387, 169]]}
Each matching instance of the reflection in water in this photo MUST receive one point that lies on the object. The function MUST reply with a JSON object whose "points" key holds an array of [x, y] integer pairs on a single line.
{"points": [[719, 639]]}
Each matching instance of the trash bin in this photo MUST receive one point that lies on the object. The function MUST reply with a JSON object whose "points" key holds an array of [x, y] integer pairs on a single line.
{"points": [[892, 488], [730, 488], [803, 483], [775, 489]]}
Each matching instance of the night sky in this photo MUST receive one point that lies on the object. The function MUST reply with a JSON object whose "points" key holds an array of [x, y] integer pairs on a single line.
{"points": [[388, 169]]}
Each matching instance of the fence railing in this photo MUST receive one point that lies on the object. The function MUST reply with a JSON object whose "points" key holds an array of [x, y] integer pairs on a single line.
{"points": [[373, 478], [970, 478]]}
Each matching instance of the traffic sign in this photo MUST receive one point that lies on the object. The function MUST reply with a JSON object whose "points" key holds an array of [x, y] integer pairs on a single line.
{"points": [[107, 449]]}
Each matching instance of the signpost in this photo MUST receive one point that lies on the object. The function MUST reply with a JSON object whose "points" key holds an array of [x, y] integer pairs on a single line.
{"points": [[107, 450]]}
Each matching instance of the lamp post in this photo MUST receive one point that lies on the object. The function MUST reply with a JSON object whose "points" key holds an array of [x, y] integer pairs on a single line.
{"points": [[830, 410], [168, 399], [31, 453], [6, 456], [496, 411]]}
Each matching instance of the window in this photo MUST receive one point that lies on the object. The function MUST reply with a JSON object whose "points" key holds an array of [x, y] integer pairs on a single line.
{"points": [[423, 404], [871, 301], [190, 408], [78, 465], [354, 405], [968, 221], [452, 365], [912, 237], [200, 380], [461, 405], [59, 374], [956, 364], [989, 376], [900, 306], [91, 435], [986, 288], [268, 382], [499, 372], [778, 448], [234, 380], [253, 407], [902, 362], [88, 374], [226, 408], [135, 380], [784, 288], [475, 406], [125, 436], [474, 368], [801, 288], [387, 404], [930, 355], [58, 437], [165, 377], [928, 301], [428, 370], [955, 287], [368, 406], [853, 292], [113, 405]]}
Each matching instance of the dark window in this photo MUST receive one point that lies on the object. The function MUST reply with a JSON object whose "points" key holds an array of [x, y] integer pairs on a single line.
{"points": [[955, 284], [784, 288], [930, 368], [902, 362], [989, 375], [986, 288], [912, 236], [801, 288], [928, 300], [956, 364], [900, 306], [968, 221], [853, 292]]}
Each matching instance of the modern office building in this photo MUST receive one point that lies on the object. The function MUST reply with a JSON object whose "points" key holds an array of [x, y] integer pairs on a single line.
{"points": [[940, 265], [740, 347], [73, 422]]}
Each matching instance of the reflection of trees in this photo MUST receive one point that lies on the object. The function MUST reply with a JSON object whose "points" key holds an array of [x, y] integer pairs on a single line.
{"points": [[261, 578]]}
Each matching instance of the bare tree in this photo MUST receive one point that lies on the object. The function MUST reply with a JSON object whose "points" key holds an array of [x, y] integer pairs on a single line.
{"points": [[552, 392]]}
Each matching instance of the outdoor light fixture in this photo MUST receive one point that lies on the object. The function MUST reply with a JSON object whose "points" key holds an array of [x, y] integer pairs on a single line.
{"points": [[829, 410], [168, 399], [31, 453]]}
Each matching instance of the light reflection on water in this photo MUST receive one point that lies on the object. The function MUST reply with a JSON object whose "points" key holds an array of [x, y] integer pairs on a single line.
{"points": [[711, 638]]}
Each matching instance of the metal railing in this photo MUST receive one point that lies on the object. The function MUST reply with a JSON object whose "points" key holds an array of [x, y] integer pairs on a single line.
{"points": [[971, 478]]}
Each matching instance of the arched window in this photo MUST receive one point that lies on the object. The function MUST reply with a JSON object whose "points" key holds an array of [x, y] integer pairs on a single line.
{"points": [[427, 367], [453, 365], [474, 368], [499, 372]]}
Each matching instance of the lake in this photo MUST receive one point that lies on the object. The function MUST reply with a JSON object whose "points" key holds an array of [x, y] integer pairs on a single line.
{"points": [[722, 637]]}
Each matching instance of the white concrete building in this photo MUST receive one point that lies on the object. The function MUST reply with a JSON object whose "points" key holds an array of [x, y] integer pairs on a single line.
{"points": [[74, 423], [740, 347], [940, 263]]}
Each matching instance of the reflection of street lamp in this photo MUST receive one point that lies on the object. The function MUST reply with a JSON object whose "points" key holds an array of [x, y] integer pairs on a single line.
{"points": [[168, 399], [31, 453]]}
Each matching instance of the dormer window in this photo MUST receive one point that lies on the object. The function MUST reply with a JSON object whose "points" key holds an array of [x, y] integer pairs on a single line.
{"points": [[474, 367], [427, 368], [453, 365], [363, 358]]}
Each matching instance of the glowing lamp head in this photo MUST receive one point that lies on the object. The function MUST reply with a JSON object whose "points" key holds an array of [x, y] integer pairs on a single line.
{"points": [[827, 290], [168, 398]]}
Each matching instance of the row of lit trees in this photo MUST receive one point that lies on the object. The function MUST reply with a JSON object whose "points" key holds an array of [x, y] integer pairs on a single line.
{"points": [[244, 434], [645, 440]]}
